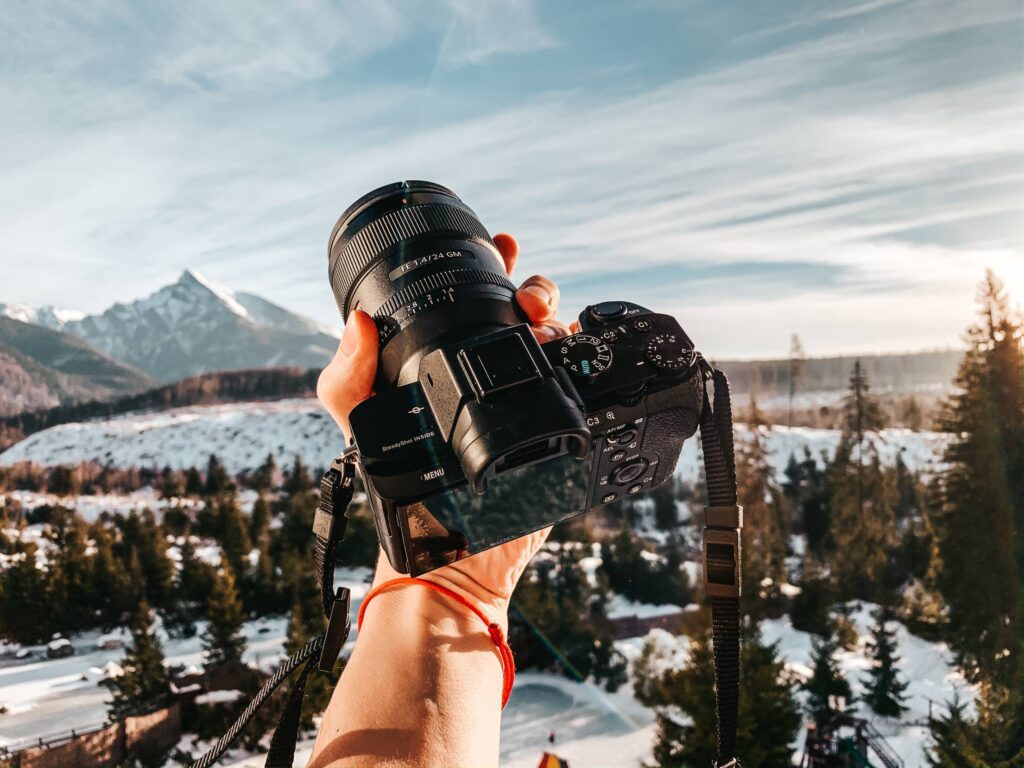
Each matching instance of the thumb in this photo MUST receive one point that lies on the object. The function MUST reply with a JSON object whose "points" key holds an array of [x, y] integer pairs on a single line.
{"points": [[348, 378]]}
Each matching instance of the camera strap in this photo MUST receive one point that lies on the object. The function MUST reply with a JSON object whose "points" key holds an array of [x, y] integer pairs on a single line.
{"points": [[723, 521], [722, 524]]}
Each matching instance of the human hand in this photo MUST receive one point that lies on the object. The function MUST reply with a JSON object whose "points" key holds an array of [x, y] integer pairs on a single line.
{"points": [[488, 578]]}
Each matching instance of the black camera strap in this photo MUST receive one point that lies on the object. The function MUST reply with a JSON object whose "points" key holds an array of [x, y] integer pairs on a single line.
{"points": [[722, 524], [723, 521], [321, 652]]}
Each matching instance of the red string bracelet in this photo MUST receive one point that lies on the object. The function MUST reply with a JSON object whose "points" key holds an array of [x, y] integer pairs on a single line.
{"points": [[508, 666]]}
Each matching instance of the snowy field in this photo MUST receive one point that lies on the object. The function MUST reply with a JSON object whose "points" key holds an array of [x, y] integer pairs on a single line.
{"points": [[242, 434]]}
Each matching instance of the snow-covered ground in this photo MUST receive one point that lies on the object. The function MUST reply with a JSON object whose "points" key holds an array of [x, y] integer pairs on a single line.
{"points": [[47, 695], [242, 434], [592, 727]]}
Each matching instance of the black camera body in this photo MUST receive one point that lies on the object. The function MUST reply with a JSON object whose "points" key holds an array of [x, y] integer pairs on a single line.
{"points": [[599, 415]]}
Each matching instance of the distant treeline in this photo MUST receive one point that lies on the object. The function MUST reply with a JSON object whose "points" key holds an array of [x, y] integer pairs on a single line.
{"points": [[208, 388], [900, 373]]}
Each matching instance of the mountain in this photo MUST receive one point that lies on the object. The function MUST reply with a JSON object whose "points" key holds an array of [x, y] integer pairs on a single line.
{"points": [[194, 326], [43, 368], [54, 318]]}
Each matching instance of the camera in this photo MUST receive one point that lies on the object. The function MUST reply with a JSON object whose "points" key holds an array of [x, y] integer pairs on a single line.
{"points": [[477, 433]]}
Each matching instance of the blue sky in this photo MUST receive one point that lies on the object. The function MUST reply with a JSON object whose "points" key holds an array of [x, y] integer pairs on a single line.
{"points": [[845, 171]]}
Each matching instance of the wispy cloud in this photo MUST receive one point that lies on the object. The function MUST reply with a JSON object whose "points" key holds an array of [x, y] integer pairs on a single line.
{"points": [[844, 173]]}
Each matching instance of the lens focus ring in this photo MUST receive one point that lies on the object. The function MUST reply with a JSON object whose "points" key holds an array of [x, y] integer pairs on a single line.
{"points": [[383, 233]]}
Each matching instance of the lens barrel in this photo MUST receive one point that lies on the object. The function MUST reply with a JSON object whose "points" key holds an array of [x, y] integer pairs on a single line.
{"points": [[417, 259]]}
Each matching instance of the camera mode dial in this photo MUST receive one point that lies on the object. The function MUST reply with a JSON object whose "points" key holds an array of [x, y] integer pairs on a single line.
{"points": [[585, 356], [669, 352]]}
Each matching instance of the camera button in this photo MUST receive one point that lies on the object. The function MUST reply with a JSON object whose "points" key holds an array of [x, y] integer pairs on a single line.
{"points": [[627, 473], [643, 325], [625, 437], [608, 497], [607, 310], [636, 488], [618, 456]]}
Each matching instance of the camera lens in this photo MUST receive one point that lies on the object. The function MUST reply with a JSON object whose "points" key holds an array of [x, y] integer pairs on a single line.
{"points": [[417, 259]]}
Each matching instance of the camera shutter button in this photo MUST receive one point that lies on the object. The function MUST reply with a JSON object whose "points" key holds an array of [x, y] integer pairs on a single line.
{"points": [[607, 310]]}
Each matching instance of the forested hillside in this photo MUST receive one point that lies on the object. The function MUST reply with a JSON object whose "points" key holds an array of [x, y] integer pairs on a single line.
{"points": [[42, 368]]}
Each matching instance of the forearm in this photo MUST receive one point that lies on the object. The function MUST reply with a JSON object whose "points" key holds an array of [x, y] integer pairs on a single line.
{"points": [[422, 687]]}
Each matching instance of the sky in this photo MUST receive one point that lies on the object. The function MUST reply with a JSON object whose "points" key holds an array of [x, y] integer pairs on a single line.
{"points": [[845, 171]]}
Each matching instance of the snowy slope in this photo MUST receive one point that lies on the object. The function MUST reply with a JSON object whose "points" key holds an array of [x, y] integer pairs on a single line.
{"points": [[242, 434], [921, 451]]}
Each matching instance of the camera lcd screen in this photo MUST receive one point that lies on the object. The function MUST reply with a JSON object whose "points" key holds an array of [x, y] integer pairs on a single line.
{"points": [[459, 523]]}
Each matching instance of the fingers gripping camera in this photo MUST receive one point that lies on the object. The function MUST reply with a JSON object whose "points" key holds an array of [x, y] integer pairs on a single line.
{"points": [[500, 435], [478, 434]]}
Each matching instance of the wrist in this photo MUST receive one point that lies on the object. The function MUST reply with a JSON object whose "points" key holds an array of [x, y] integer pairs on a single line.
{"points": [[430, 604]]}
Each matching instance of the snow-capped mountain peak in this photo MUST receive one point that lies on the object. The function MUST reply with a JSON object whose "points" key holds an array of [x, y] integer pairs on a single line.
{"points": [[202, 286], [54, 318], [193, 326]]}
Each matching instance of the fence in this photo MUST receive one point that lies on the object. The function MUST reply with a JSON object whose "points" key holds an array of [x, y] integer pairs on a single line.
{"points": [[101, 746]]}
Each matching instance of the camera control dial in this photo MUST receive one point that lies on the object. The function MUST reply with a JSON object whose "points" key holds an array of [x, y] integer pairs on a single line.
{"points": [[669, 352], [585, 356]]}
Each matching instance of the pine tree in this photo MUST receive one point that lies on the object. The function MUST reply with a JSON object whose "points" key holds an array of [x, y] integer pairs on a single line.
{"points": [[151, 545], [72, 596], [144, 684], [827, 685], [259, 524], [806, 487], [62, 481], [981, 519], [666, 513], [171, 485], [769, 715], [217, 479], [764, 525], [796, 370], [233, 534], [223, 641], [862, 503], [193, 482], [26, 616], [109, 578], [992, 739], [195, 578], [264, 594], [675, 580], [265, 476], [297, 479], [886, 690], [809, 609]]}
